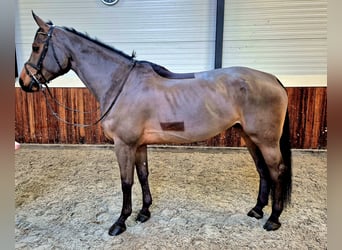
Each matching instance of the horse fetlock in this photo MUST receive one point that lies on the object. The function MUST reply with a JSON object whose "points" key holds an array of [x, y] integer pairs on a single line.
{"points": [[143, 216], [125, 213], [147, 202]]}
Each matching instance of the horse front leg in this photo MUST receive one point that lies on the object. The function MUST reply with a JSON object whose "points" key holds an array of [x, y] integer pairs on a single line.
{"points": [[126, 157], [141, 164]]}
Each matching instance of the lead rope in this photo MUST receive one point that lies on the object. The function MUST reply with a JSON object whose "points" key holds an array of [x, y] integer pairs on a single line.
{"points": [[74, 110], [63, 105]]}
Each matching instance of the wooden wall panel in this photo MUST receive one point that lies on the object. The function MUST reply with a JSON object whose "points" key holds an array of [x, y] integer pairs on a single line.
{"points": [[34, 122], [308, 115]]}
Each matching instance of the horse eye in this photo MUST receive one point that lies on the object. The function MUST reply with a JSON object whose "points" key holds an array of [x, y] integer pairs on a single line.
{"points": [[35, 49]]}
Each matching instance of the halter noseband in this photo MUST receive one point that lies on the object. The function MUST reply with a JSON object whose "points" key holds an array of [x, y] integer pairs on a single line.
{"points": [[36, 78]]}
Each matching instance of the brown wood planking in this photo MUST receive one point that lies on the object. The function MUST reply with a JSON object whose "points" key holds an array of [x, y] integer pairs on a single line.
{"points": [[308, 116], [80, 107], [34, 122]]}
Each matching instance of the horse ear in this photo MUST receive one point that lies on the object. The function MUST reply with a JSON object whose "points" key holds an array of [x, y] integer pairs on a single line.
{"points": [[40, 22]]}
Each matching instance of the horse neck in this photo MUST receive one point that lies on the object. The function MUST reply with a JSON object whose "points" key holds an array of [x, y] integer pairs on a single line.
{"points": [[102, 70]]}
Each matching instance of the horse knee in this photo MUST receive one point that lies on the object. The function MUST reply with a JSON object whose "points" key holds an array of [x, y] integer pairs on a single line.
{"points": [[126, 186]]}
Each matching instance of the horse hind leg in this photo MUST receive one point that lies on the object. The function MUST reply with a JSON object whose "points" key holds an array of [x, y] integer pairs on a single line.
{"points": [[269, 164], [280, 175], [141, 164], [278, 159], [264, 182]]}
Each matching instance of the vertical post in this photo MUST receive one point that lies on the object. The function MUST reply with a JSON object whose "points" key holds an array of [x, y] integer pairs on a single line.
{"points": [[16, 67], [219, 33]]}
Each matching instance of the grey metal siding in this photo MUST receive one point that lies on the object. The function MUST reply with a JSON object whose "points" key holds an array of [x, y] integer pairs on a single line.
{"points": [[179, 34], [287, 38]]}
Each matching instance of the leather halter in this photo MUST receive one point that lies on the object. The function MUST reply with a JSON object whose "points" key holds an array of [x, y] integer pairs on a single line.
{"points": [[36, 79]]}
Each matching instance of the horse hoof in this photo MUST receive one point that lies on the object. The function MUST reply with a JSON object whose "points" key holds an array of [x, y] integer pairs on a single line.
{"points": [[116, 229], [255, 214], [142, 217], [272, 226]]}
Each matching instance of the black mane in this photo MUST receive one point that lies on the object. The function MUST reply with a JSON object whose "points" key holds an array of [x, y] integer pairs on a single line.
{"points": [[96, 41], [162, 71]]}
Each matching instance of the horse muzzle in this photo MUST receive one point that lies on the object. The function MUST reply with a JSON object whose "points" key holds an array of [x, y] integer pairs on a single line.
{"points": [[33, 86]]}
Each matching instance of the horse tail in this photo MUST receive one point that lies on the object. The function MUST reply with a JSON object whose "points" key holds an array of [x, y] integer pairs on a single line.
{"points": [[285, 149]]}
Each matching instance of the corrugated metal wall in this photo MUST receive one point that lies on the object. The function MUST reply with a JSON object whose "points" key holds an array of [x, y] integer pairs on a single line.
{"points": [[179, 34], [286, 38]]}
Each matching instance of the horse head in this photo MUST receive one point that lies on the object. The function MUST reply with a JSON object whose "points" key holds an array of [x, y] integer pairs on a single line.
{"points": [[47, 61]]}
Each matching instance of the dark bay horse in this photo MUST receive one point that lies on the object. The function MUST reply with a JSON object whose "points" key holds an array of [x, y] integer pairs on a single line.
{"points": [[143, 103]]}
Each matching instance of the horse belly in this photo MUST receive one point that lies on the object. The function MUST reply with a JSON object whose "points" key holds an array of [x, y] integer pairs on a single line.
{"points": [[185, 131], [189, 111]]}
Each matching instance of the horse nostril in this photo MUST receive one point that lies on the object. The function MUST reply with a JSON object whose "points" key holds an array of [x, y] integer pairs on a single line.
{"points": [[23, 87], [21, 82], [26, 88]]}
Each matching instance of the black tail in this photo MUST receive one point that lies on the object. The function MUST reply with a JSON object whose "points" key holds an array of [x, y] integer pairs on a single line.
{"points": [[285, 148]]}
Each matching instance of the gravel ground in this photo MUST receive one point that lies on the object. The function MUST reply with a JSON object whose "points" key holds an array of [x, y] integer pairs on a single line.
{"points": [[67, 197]]}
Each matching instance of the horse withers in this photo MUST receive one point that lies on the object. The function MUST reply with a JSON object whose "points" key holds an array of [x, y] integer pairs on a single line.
{"points": [[144, 103]]}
